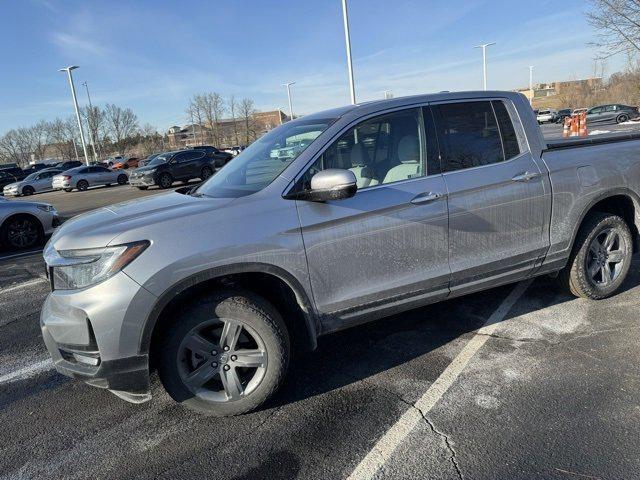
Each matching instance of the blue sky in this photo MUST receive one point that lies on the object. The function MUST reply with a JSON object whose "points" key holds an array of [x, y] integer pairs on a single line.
{"points": [[153, 55]]}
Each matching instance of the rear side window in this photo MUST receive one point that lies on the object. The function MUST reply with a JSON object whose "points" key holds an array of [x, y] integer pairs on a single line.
{"points": [[468, 135], [507, 132]]}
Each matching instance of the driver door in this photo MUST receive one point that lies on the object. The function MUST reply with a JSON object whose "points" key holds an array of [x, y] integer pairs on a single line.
{"points": [[386, 247]]}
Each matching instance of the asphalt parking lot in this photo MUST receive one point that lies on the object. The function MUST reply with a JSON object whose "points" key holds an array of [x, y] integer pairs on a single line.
{"points": [[519, 382]]}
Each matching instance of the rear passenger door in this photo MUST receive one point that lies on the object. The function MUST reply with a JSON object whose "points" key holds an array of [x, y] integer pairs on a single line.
{"points": [[188, 164], [498, 196], [384, 249]]}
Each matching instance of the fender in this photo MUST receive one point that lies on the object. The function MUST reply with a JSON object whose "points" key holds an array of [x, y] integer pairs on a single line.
{"points": [[623, 191], [311, 321]]}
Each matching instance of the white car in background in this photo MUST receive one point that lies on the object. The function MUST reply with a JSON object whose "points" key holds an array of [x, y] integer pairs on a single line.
{"points": [[88, 176], [546, 116], [36, 182], [25, 224]]}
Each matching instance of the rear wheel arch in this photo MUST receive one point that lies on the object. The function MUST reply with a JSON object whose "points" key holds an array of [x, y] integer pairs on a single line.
{"points": [[272, 283]]}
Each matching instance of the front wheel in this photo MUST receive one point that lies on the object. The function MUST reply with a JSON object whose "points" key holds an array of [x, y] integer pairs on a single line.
{"points": [[21, 231], [600, 259], [122, 179], [205, 173], [165, 180], [225, 354], [28, 190]]}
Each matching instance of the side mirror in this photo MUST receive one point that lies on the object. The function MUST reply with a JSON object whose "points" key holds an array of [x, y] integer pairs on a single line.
{"points": [[329, 184]]}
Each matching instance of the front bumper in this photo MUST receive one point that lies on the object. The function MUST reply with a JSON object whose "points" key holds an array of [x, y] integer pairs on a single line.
{"points": [[142, 181], [94, 335], [13, 191]]}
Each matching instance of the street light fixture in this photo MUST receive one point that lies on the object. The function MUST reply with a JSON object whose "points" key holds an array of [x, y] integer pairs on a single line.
{"points": [[347, 39], [484, 62], [75, 105], [288, 85]]}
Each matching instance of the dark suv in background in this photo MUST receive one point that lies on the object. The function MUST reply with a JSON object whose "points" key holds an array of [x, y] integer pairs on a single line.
{"points": [[168, 167], [218, 157]]}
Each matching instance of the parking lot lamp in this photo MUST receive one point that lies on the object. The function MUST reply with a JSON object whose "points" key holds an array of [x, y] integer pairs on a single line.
{"points": [[75, 105], [288, 85], [91, 139], [347, 39], [531, 83], [484, 62]]}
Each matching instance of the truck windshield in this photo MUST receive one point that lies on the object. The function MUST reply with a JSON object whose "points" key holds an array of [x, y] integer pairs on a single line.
{"points": [[265, 159]]}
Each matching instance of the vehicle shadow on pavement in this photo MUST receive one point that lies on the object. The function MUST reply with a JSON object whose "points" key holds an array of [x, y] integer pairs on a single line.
{"points": [[413, 347]]}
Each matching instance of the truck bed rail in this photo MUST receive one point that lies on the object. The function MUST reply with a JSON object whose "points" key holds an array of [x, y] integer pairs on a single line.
{"points": [[594, 140]]}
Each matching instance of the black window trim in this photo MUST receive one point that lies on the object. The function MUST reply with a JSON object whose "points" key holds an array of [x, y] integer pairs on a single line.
{"points": [[506, 101]]}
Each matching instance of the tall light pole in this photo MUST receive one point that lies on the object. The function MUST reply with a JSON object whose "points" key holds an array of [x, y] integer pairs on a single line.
{"points": [[484, 62], [347, 39], [288, 85], [75, 105], [531, 83], [89, 116]]}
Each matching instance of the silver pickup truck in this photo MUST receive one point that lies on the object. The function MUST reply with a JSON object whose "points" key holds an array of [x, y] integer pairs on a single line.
{"points": [[391, 205]]}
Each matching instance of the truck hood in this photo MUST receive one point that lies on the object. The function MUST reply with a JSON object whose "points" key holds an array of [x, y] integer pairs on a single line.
{"points": [[98, 228]]}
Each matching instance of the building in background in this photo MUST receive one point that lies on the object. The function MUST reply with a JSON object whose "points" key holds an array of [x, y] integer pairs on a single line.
{"points": [[555, 94], [227, 132]]}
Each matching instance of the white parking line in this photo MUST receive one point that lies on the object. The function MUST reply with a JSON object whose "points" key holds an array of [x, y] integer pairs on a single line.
{"points": [[19, 286], [27, 372], [21, 254], [384, 448]]}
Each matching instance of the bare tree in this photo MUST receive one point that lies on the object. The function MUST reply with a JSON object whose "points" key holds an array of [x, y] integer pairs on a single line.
{"points": [[233, 107], [94, 117], [211, 106], [246, 111], [122, 124], [618, 25]]}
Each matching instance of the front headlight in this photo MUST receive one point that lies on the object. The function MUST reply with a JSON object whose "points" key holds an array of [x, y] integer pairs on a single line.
{"points": [[46, 208], [83, 268], [150, 172]]}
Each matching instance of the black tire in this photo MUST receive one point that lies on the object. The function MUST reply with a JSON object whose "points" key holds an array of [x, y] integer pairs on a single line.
{"points": [[165, 180], [68, 190], [258, 318], [205, 173], [142, 188], [21, 231], [577, 277], [122, 179], [28, 190], [82, 185], [622, 118]]}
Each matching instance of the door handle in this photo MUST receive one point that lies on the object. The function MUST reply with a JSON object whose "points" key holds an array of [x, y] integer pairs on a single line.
{"points": [[526, 176], [427, 197]]}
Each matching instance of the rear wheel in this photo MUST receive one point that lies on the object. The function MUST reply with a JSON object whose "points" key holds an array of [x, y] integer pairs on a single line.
{"points": [[165, 180], [122, 179], [28, 190], [600, 259], [225, 354], [206, 173], [21, 231], [82, 185], [622, 118]]}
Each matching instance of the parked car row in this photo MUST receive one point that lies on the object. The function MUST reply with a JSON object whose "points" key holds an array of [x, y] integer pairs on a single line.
{"points": [[613, 113]]}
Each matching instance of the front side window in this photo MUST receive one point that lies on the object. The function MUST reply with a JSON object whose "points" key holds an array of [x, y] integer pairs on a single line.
{"points": [[381, 150], [265, 159], [468, 135]]}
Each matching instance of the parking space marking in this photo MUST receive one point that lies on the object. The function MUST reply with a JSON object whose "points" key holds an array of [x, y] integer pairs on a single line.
{"points": [[21, 254], [19, 286], [27, 372], [391, 440]]}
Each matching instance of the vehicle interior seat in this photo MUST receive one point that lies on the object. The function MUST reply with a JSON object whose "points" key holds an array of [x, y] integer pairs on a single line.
{"points": [[409, 156], [360, 166]]}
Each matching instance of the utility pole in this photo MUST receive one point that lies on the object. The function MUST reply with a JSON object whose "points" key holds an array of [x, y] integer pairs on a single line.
{"points": [[484, 62], [347, 39], [75, 105], [531, 83], [288, 85], [89, 117]]}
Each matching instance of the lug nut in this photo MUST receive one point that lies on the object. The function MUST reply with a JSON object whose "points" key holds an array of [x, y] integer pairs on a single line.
{"points": [[214, 364], [214, 353], [226, 367], [234, 357], [226, 348]]}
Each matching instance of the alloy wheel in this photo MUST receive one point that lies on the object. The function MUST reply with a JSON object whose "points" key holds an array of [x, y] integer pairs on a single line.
{"points": [[606, 257], [22, 233], [222, 360]]}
